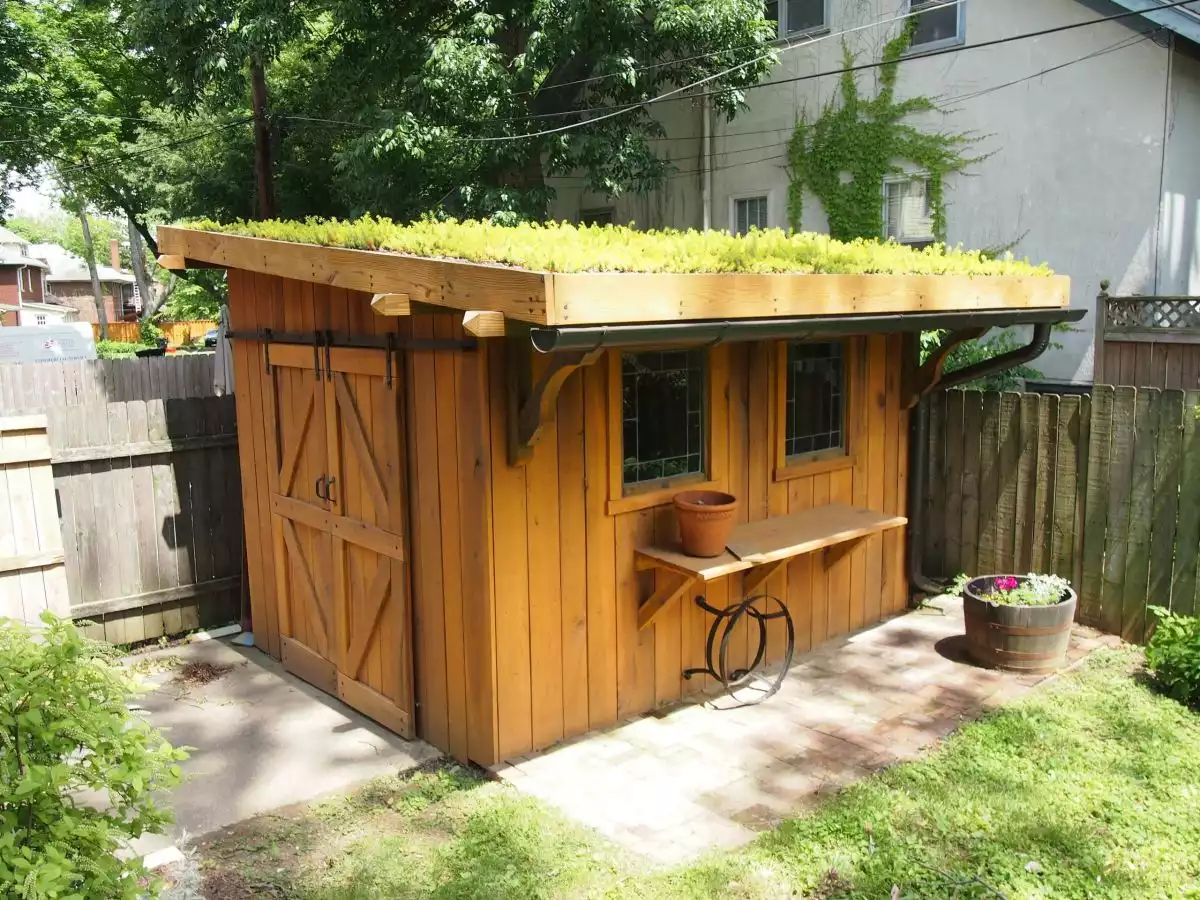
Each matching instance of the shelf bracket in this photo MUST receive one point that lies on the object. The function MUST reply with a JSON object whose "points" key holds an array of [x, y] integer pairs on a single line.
{"points": [[531, 403], [926, 377]]}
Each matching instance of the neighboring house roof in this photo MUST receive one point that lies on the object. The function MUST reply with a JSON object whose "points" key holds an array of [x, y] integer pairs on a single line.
{"points": [[14, 260], [1182, 20], [50, 307], [108, 275], [11, 237]]}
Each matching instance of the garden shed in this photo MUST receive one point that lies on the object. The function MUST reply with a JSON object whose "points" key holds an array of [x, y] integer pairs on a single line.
{"points": [[459, 448]]}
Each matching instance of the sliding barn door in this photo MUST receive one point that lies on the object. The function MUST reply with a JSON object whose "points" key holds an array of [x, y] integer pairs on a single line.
{"points": [[304, 566], [368, 513]]}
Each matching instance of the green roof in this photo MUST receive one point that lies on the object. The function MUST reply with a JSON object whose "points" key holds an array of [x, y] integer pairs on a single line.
{"points": [[563, 247]]}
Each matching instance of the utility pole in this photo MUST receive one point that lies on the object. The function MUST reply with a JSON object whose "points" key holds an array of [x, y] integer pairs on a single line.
{"points": [[90, 250], [262, 141]]}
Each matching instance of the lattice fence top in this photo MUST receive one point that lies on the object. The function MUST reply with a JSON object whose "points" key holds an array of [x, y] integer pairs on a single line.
{"points": [[1153, 312]]}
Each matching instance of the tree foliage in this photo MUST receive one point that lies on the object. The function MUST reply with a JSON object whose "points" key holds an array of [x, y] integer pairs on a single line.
{"points": [[68, 233]]}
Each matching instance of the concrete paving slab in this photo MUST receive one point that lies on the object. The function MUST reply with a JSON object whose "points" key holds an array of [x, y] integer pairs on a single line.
{"points": [[262, 739]]}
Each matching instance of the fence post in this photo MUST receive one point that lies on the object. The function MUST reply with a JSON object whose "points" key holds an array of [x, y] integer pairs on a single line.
{"points": [[1101, 325]]}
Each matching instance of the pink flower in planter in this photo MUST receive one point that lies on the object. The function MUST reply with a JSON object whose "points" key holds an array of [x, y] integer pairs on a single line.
{"points": [[1006, 583]]}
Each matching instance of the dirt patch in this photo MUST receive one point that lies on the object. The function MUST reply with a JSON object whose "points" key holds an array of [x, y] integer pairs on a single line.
{"points": [[197, 674], [226, 885]]}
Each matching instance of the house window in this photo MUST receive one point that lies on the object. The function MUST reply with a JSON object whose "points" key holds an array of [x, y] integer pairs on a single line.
{"points": [[41, 320], [940, 23], [814, 399], [601, 216], [663, 395], [907, 211], [798, 16], [749, 212]]}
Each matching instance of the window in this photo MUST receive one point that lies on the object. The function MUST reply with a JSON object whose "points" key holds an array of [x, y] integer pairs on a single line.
{"points": [[814, 398], [41, 320], [663, 397], [907, 211], [749, 212], [798, 16], [940, 23], [601, 216]]}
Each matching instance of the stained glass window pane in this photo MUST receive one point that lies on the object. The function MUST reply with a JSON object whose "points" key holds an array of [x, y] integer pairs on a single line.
{"points": [[816, 398], [662, 414]]}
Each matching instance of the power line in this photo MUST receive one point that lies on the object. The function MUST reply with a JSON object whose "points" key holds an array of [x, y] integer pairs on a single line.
{"points": [[85, 166], [673, 94]]}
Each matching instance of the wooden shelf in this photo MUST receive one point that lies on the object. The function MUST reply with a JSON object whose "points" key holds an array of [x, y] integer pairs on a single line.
{"points": [[762, 545]]}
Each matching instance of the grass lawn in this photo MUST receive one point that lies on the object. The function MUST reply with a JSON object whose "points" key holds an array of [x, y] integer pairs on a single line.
{"points": [[1088, 787]]}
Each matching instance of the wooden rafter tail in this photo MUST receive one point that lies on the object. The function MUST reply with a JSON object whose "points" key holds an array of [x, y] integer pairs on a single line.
{"points": [[392, 305], [925, 378], [484, 323]]}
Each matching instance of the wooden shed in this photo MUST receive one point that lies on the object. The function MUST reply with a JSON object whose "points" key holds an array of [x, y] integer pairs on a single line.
{"points": [[457, 477]]}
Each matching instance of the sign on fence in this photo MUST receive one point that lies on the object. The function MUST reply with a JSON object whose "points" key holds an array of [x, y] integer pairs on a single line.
{"points": [[47, 343], [1102, 490]]}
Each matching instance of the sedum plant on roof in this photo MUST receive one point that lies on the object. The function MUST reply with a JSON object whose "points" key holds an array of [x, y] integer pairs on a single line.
{"points": [[563, 247]]}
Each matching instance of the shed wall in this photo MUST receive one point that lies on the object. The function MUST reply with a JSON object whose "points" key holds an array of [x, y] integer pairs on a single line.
{"points": [[448, 466], [569, 654]]}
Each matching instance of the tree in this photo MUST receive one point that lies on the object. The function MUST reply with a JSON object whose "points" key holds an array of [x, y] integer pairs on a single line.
{"points": [[89, 250], [390, 101]]}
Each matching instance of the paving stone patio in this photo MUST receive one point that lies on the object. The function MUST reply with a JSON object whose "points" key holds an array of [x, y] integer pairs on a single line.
{"points": [[672, 786]]}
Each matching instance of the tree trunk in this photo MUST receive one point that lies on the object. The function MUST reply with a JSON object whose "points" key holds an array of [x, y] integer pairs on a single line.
{"points": [[90, 251], [262, 141], [137, 256]]}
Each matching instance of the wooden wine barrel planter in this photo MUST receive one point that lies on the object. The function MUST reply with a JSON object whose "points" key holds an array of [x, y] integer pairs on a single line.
{"points": [[1028, 639]]}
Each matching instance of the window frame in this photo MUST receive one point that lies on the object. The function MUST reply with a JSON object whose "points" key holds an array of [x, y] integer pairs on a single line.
{"points": [[904, 178], [783, 34], [764, 195], [624, 498], [611, 211], [960, 31], [844, 457]]}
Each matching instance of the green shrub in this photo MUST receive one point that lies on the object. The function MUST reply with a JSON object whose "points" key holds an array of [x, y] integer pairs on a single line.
{"points": [[1173, 655], [77, 768], [150, 333], [117, 349]]}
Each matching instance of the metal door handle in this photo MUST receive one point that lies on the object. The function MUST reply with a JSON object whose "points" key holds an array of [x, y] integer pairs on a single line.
{"points": [[329, 482], [321, 480]]}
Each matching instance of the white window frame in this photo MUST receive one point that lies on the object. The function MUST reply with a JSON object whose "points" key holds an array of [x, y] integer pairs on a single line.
{"points": [[784, 34], [904, 178], [960, 29], [764, 195]]}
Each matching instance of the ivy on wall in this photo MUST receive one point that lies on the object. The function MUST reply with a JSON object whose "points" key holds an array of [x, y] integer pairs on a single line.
{"points": [[844, 156]]}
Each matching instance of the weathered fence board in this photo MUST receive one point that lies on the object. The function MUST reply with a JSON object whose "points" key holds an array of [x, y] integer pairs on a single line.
{"points": [[32, 562], [149, 499], [176, 332], [1103, 490]]}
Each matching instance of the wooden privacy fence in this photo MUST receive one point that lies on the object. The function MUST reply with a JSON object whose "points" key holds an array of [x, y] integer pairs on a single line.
{"points": [[1148, 341], [177, 332], [1103, 490], [32, 574], [145, 474]]}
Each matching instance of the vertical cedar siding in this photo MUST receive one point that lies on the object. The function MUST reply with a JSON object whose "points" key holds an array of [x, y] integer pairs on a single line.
{"points": [[524, 593], [567, 592]]}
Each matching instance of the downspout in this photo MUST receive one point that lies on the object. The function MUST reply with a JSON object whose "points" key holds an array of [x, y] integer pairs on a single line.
{"points": [[706, 182], [919, 435]]}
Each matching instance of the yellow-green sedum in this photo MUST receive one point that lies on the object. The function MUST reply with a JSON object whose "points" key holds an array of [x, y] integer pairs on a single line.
{"points": [[563, 247]]}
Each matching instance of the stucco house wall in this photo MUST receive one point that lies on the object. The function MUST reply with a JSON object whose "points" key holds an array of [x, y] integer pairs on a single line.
{"points": [[1093, 167]]}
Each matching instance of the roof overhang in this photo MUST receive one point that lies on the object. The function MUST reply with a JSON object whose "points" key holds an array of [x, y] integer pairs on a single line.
{"points": [[550, 340], [1180, 19], [555, 299]]}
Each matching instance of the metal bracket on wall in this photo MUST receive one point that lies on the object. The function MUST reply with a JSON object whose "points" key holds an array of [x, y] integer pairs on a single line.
{"points": [[531, 403]]}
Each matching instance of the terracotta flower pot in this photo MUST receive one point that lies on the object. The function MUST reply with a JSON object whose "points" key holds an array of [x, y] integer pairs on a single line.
{"points": [[705, 519]]}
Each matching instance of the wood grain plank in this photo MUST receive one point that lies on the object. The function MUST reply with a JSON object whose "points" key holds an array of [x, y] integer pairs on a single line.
{"points": [[573, 580], [1091, 587], [1168, 465], [1066, 466], [1045, 473], [877, 440], [953, 485], [635, 646], [989, 484], [1187, 530], [897, 445], [1006, 500], [601, 549], [972, 430], [1141, 515]]}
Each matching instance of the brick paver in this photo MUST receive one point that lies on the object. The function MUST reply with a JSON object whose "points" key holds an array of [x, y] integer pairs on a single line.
{"points": [[672, 786]]}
